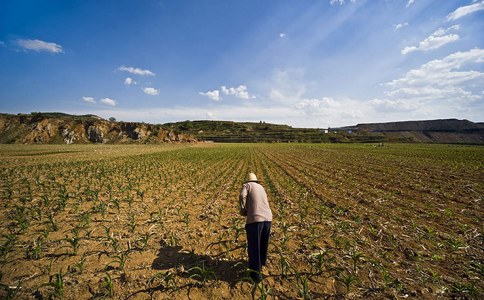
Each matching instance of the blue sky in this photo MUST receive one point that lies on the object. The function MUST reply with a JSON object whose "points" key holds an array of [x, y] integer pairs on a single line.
{"points": [[305, 63]]}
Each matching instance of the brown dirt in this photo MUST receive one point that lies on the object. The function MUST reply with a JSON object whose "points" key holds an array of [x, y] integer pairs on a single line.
{"points": [[415, 213]]}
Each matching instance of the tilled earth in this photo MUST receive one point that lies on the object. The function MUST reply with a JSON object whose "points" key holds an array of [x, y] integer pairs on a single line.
{"points": [[161, 222]]}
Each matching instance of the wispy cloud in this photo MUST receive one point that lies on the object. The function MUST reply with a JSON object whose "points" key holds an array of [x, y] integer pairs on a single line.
{"points": [[442, 31], [434, 41], [38, 45], [151, 91], [108, 101], [136, 71], [325, 102], [282, 34], [239, 92], [214, 95], [398, 26], [465, 10], [2, 43], [409, 2], [89, 99], [341, 2]]}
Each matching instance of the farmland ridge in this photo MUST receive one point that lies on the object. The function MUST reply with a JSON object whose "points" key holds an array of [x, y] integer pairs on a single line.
{"points": [[60, 128]]}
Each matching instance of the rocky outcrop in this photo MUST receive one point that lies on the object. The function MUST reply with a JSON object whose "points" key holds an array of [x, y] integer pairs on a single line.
{"points": [[95, 133], [34, 129], [41, 132]]}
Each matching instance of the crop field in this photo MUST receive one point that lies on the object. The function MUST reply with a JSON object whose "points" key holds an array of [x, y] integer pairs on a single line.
{"points": [[161, 222]]}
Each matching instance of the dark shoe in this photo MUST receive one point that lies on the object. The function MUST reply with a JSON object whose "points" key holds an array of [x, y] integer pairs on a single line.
{"points": [[256, 279]]}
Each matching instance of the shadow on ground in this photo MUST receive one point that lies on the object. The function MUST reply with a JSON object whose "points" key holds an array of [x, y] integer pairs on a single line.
{"points": [[183, 260]]}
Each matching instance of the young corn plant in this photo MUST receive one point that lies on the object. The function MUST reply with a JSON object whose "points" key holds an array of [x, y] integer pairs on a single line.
{"points": [[51, 222], [455, 244], [114, 243], [302, 284], [174, 240], [5, 249], [85, 219], [34, 251], [76, 230], [10, 292], [372, 229], [120, 259], [186, 219], [166, 279], [346, 278], [191, 253], [79, 266], [102, 207], [386, 276], [116, 203], [132, 223], [141, 194], [477, 268], [355, 259], [261, 286], [283, 263], [203, 273], [237, 230], [321, 261], [106, 287], [144, 239], [57, 283]]}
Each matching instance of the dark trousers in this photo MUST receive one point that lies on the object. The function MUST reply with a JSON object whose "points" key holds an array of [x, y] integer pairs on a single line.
{"points": [[258, 243]]}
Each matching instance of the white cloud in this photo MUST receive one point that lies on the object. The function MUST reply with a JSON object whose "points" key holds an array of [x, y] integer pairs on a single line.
{"points": [[214, 95], [385, 105], [129, 81], [282, 35], [341, 2], [89, 99], [239, 92], [398, 26], [151, 91], [210, 115], [437, 81], [136, 71], [434, 41], [441, 31], [409, 2], [38, 45], [2, 43], [465, 10], [316, 103], [108, 101], [442, 69]]}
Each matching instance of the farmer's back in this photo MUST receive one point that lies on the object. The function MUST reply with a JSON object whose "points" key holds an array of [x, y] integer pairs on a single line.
{"points": [[255, 205]]}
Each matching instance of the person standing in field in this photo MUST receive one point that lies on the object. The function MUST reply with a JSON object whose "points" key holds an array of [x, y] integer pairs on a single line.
{"points": [[254, 205]]}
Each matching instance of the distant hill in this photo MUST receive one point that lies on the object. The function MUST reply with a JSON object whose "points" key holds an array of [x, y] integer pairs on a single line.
{"points": [[248, 132], [432, 131], [58, 128], [445, 125]]}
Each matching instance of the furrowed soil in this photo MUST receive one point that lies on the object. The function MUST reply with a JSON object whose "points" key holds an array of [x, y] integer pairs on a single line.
{"points": [[161, 222]]}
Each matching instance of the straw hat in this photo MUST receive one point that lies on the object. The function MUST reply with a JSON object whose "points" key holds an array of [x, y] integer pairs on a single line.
{"points": [[251, 177]]}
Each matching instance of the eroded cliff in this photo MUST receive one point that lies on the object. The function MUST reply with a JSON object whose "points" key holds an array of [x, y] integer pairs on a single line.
{"points": [[43, 129]]}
